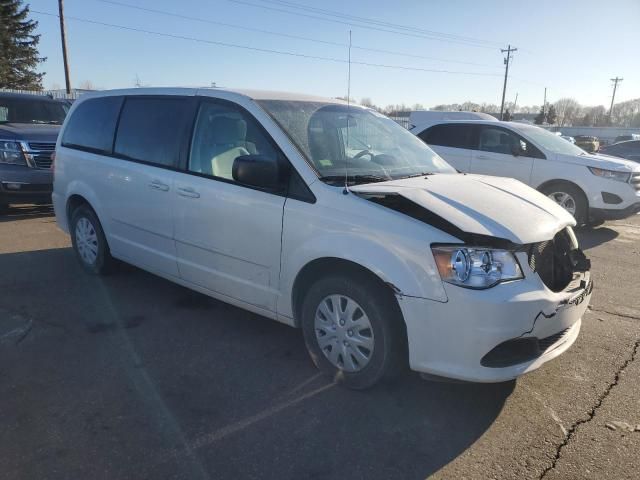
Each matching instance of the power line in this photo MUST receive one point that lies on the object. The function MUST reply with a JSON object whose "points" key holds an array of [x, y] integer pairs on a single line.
{"points": [[408, 34], [286, 35], [334, 13], [265, 50]]}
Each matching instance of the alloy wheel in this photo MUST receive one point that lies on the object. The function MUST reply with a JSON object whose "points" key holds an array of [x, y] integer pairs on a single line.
{"points": [[565, 200]]}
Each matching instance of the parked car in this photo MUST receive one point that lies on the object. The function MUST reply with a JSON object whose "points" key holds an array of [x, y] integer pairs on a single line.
{"points": [[324, 216], [624, 138], [593, 188], [422, 118], [629, 149], [29, 126], [587, 143]]}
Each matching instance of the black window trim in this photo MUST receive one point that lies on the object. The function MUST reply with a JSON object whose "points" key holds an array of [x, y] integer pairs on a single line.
{"points": [[308, 197]]}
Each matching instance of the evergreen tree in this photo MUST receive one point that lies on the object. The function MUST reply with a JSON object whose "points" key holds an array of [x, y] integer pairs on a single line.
{"points": [[541, 117], [18, 47], [552, 116]]}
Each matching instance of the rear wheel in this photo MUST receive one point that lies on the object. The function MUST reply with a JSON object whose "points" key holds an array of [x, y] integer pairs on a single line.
{"points": [[353, 330], [569, 197], [89, 241]]}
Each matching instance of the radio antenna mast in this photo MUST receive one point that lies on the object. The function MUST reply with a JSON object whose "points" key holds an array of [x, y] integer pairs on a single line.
{"points": [[346, 153]]}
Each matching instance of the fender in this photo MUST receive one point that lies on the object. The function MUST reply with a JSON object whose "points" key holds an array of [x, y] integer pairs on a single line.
{"points": [[410, 273]]}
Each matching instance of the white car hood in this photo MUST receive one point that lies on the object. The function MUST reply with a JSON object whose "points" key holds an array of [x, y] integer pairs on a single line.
{"points": [[493, 206], [600, 161]]}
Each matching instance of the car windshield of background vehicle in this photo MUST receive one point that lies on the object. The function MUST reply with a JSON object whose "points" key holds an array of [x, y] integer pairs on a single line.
{"points": [[335, 137], [13, 110], [551, 141]]}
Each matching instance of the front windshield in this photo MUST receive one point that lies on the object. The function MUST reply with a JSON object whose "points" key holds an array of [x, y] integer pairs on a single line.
{"points": [[20, 110], [336, 138], [551, 141]]}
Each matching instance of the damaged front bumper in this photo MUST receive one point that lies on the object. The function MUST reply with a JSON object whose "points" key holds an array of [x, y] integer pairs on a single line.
{"points": [[497, 334]]}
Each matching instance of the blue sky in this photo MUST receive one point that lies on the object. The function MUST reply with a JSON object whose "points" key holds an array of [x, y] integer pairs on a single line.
{"points": [[572, 47]]}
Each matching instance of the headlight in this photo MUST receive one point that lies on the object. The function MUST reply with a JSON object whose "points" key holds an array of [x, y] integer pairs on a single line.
{"points": [[611, 174], [475, 267], [10, 152]]}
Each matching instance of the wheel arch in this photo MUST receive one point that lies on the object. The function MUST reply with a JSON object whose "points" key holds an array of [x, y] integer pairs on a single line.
{"points": [[323, 266], [568, 182]]}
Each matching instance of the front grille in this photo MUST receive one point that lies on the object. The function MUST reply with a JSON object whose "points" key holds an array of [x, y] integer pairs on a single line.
{"points": [[635, 181], [41, 153], [520, 350], [552, 261]]}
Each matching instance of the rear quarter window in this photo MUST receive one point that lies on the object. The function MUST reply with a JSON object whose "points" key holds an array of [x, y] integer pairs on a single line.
{"points": [[151, 130], [448, 135], [92, 125]]}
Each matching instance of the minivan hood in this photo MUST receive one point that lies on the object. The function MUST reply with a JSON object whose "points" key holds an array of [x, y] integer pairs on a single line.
{"points": [[599, 161], [497, 207], [29, 132]]}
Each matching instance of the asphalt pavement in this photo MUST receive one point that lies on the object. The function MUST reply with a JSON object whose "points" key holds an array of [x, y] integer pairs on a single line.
{"points": [[133, 377]]}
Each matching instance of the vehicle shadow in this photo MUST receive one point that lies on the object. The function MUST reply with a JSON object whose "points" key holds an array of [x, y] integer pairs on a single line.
{"points": [[168, 383], [593, 237], [24, 212]]}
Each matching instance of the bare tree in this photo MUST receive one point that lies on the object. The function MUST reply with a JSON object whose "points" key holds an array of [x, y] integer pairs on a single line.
{"points": [[86, 85], [567, 109]]}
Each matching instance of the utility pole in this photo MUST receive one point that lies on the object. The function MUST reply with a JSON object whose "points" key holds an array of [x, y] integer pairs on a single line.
{"points": [[506, 74], [515, 103], [63, 38], [613, 97], [544, 106]]}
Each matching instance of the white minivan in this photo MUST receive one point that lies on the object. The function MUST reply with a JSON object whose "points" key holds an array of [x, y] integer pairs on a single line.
{"points": [[592, 187], [324, 216]]}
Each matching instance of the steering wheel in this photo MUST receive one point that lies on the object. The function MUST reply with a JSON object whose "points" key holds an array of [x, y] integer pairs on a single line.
{"points": [[362, 153]]}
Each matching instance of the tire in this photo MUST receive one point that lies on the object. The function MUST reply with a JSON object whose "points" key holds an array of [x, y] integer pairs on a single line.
{"points": [[556, 191], [372, 303], [89, 242]]}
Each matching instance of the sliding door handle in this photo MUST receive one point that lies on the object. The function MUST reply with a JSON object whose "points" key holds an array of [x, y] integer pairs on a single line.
{"points": [[188, 192], [157, 185]]}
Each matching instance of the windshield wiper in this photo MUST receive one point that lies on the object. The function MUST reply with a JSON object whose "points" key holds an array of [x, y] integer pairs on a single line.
{"points": [[362, 178], [413, 175]]}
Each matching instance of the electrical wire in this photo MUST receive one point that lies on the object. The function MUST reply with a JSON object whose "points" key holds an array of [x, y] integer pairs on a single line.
{"points": [[264, 50], [286, 35]]}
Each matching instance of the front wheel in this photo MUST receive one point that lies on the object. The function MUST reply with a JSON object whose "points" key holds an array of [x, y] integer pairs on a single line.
{"points": [[353, 331], [570, 198], [89, 242]]}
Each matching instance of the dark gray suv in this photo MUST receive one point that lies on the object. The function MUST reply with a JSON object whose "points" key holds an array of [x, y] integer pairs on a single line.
{"points": [[29, 126]]}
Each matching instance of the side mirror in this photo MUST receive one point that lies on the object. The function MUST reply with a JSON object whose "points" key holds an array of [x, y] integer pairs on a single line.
{"points": [[257, 171]]}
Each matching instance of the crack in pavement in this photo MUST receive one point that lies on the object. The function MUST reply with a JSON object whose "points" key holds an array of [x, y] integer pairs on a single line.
{"points": [[592, 413], [617, 314]]}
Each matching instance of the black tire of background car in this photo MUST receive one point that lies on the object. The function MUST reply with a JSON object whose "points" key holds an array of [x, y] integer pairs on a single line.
{"points": [[104, 263], [389, 356], [578, 195]]}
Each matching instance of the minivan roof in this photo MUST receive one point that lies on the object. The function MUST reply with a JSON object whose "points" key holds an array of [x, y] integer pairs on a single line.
{"points": [[214, 91]]}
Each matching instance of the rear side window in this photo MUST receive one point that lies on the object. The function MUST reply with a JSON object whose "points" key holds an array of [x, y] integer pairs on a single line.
{"points": [[448, 135], [151, 130], [92, 125]]}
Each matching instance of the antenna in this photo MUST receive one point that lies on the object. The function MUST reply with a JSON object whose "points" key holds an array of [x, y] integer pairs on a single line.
{"points": [[346, 156]]}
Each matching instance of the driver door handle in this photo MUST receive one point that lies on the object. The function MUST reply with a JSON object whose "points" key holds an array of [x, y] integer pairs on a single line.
{"points": [[188, 192]]}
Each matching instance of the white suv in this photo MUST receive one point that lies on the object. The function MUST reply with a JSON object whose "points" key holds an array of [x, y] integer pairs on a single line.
{"points": [[327, 217], [591, 187]]}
